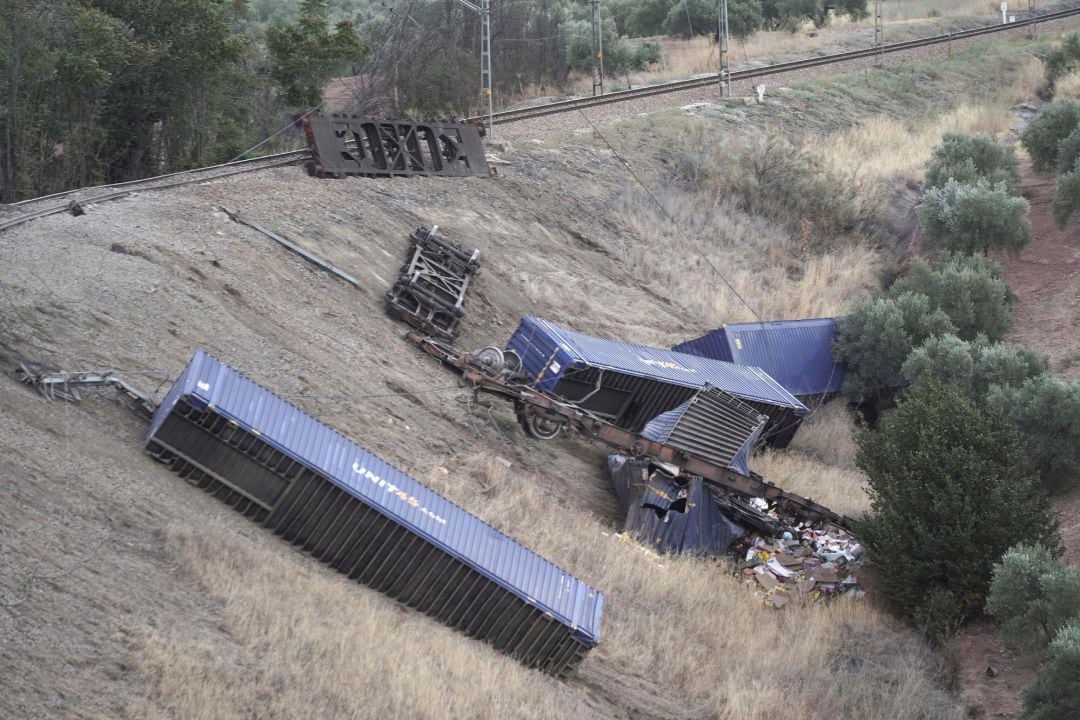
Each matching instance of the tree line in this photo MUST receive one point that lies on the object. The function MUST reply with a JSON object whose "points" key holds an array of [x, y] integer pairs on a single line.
{"points": [[101, 91]]}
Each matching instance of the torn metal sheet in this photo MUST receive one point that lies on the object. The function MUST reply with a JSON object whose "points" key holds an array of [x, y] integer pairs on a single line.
{"points": [[669, 514], [355, 145]]}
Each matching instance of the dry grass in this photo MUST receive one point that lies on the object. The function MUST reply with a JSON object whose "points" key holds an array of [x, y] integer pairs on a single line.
{"points": [[826, 435], [674, 628], [884, 148], [1068, 86]]}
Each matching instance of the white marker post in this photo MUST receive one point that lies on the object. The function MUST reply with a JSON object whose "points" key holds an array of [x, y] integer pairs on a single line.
{"points": [[1004, 11]]}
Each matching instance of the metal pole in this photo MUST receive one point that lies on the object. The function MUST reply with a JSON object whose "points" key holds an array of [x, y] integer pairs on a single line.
{"points": [[879, 32], [485, 62], [725, 45], [1034, 25], [597, 49]]}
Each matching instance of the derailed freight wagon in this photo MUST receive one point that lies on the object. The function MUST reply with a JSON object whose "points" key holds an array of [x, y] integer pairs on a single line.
{"points": [[369, 520], [796, 353], [629, 385]]}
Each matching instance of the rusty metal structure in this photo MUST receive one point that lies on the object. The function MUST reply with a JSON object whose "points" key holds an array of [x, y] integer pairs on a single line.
{"points": [[729, 487], [429, 293], [344, 145]]}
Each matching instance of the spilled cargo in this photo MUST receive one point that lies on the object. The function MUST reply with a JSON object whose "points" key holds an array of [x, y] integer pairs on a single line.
{"points": [[796, 353], [629, 385], [368, 520]]}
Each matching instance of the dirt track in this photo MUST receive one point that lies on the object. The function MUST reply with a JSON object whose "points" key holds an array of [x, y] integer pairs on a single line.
{"points": [[1046, 280]]}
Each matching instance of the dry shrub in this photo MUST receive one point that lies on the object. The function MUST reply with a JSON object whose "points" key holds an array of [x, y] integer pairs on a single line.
{"points": [[1068, 86], [680, 628]]}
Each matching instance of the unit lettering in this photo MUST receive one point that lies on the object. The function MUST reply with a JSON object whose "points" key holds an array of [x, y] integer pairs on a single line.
{"points": [[395, 491]]}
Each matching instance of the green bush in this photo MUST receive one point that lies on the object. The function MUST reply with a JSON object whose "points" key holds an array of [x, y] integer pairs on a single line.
{"points": [[1033, 595], [974, 218], [1066, 196], [948, 496], [972, 367], [1063, 60], [875, 339], [947, 360], [967, 288], [1005, 366], [969, 158], [1055, 692], [1044, 133], [1047, 411]]}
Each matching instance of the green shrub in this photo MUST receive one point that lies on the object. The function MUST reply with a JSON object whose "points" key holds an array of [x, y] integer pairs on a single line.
{"points": [[947, 360], [876, 337], [1066, 196], [948, 496], [974, 218], [1068, 151], [969, 158], [1005, 366], [1044, 133], [969, 289], [972, 367], [1063, 60], [1047, 411], [1033, 595], [1055, 692]]}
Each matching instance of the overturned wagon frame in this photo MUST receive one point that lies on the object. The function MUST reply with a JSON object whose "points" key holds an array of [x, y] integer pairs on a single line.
{"points": [[353, 145]]}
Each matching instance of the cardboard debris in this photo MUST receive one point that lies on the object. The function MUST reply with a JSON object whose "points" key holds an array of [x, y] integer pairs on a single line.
{"points": [[803, 566]]}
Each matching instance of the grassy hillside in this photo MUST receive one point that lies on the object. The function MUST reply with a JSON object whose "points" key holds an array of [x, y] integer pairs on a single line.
{"points": [[128, 593]]}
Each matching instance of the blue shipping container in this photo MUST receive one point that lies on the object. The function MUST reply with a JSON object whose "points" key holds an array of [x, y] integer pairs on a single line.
{"points": [[797, 353], [368, 519], [632, 384]]}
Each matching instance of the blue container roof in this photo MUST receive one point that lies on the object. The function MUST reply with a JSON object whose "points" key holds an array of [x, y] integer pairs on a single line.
{"points": [[798, 353], [211, 384], [660, 428], [743, 381]]}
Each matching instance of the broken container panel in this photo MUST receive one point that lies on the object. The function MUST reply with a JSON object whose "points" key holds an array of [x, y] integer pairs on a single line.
{"points": [[369, 520]]}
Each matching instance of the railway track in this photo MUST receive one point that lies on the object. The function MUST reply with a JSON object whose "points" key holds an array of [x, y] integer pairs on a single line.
{"points": [[34, 208], [713, 79]]}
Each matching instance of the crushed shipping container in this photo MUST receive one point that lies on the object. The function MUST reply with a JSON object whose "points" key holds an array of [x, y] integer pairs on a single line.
{"points": [[369, 520], [667, 514], [797, 353], [629, 385]]}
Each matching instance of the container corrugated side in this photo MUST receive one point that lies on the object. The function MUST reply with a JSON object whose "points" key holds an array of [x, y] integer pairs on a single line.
{"points": [[255, 416], [555, 352], [797, 353]]}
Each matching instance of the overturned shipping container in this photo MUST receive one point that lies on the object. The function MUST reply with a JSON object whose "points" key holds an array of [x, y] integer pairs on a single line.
{"points": [[797, 353], [369, 520], [629, 385]]}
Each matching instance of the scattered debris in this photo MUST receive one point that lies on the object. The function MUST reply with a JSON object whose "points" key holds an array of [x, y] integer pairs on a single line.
{"points": [[62, 385], [803, 564], [354, 145], [429, 293]]}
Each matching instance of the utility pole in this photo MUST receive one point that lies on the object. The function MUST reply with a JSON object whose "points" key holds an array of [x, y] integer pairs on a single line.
{"points": [[597, 49], [484, 11], [725, 45], [879, 32]]}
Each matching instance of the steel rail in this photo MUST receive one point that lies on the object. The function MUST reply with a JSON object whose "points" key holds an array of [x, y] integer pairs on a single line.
{"points": [[509, 116], [186, 177]]}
